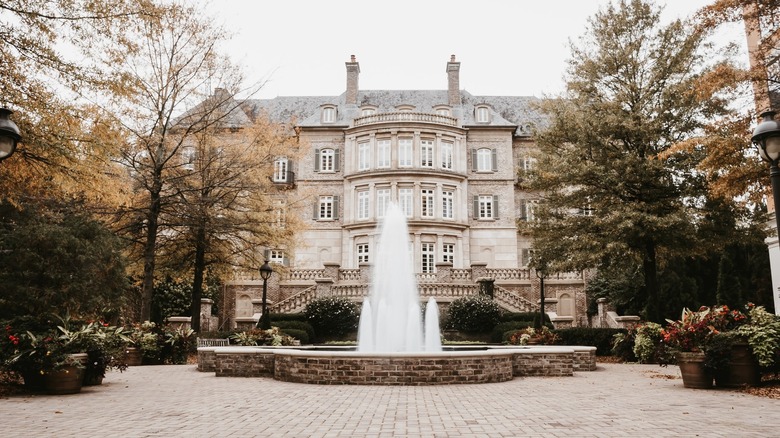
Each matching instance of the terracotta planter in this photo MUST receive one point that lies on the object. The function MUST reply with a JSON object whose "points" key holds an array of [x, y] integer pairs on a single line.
{"points": [[694, 374], [742, 370], [67, 380]]}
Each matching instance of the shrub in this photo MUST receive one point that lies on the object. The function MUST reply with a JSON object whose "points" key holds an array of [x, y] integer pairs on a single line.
{"points": [[525, 316], [500, 330], [300, 335], [530, 335], [277, 317], [601, 338], [252, 337], [332, 316], [647, 342], [474, 314], [297, 325]]}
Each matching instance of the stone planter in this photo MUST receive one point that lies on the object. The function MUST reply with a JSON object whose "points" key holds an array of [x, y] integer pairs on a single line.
{"points": [[694, 374]]}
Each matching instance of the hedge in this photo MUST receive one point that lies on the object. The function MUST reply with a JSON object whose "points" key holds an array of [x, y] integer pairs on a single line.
{"points": [[497, 335], [300, 335], [288, 325], [601, 338]]}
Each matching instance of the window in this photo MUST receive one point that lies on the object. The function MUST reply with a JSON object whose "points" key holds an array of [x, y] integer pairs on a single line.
{"points": [[484, 160], [443, 111], [482, 114], [447, 201], [276, 256], [280, 214], [364, 156], [367, 111], [382, 200], [362, 253], [428, 260], [525, 257], [362, 210], [188, 157], [528, 209], [405, 201], [404, 152], [328, 115], [486, 207], [426, 205], [326, 160], [529, 163], [327, 208], [383, 153], [446, 155], [426, 153], [448, 252], [281, 167], [404, 108]]}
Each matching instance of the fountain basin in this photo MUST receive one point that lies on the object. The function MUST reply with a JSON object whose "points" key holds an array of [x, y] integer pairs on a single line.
{"points": [[342, 366]]}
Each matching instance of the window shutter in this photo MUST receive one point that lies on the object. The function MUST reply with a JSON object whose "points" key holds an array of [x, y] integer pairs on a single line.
{"points": [[288, 178], [335, 207], [316, 160], [494, 159], [285, 261], [474, 160], [495, 206], [266, 254], [336, 160], [523, 215], [316, 209], [476, 207], [525, 256]]}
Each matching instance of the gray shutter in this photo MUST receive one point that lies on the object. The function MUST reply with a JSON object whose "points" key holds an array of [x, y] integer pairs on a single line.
{"points": [[524, 257], [495, 206], [285, 261], [266, 254], [474, 160], [476, 207], [316, 160], [336, 160], [494, 159], [316, 209], [523, 215], [288, 178], [335, 207]]}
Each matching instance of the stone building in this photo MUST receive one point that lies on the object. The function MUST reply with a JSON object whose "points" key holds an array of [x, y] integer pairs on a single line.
{"points": [[451, 160]]}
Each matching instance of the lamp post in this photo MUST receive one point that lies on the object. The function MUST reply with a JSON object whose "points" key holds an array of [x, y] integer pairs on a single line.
{"points": [[9, 134], [541, 274], [265, 319], [766, 137]]}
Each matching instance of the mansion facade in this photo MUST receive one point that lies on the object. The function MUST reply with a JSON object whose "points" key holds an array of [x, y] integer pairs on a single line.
{"points": [[452, 161]]}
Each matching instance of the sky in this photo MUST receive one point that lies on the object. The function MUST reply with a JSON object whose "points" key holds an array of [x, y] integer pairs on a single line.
{"points": [[505, 47]]}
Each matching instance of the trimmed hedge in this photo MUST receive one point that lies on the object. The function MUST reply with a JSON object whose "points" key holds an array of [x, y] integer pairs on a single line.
{"points": [[300, 335], [332, 317], [601, 338], [303, 326], [500, 330], [473, 314], [276, 317]]}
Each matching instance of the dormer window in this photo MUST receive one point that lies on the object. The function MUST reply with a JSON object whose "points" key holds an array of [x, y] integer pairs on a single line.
{"points": [[482, 114], [404, 108], [367, 111], [443, 111], [328, 114]]}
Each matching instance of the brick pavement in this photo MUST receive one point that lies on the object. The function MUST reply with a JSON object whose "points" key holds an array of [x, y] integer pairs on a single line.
{"points": [[617, 400]]}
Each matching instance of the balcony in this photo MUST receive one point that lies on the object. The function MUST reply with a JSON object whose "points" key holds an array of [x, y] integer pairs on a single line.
{"points": [[405, 116]]}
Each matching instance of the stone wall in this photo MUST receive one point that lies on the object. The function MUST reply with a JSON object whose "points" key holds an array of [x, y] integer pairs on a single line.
{"points": [[243, 362], [549, 362]]}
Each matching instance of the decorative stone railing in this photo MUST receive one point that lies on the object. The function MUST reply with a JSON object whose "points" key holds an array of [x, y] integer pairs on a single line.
{"points": [[350, 274], [426, 278], [447, 292], [512, 300], [354, 292], [508, 273], [405, 116], [305, 274], [296, 302], [461, 275]]}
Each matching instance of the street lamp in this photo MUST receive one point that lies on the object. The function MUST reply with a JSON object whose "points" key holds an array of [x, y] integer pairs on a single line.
{"points": [[541, 274], [265, 319], [766, 137], [9, 134]]}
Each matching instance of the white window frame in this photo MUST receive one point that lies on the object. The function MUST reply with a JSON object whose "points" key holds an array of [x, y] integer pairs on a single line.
{"points": [[405, 151], [188, 157], [427, 203], [281, 167], [443, 111], [447, 149], [328, 114], [482, 114], [362, 205], [448, 252], [364, 156], [326, 208], [361, 250], [382, 201], [426, 153], [427, 257], [276, 256], [383, 153], [405, 200], [484, 160], [327, 160], [485, 203], [447, 204], [368, 111]]}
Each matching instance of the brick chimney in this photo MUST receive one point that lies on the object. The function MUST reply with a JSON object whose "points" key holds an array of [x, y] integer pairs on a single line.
{"points": [[453, 82], [353, 71]]}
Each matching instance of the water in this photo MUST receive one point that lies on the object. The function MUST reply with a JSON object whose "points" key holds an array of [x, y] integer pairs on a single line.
{"points": [[391, 319]]}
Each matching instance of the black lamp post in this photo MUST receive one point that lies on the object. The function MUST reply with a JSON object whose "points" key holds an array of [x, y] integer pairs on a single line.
{"points": [[9, 134], [265, 319], [541, 274], [766, 137]]}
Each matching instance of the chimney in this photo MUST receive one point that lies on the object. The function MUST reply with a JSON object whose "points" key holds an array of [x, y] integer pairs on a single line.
{"points": [[453, 82], [353, 71]]}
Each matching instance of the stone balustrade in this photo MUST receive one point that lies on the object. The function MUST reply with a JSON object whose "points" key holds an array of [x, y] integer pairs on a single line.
{"points": [[405, 116]]}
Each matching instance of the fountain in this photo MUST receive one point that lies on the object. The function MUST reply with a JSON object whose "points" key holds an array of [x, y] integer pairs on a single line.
{"points": [[391, 319]]}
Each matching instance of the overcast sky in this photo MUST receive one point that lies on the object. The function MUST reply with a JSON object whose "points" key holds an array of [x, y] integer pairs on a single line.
{"points": [[506, 47]]}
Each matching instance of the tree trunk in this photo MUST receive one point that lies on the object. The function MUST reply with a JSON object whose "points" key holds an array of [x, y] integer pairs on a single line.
{"points": [[650, 268], [150, 248], [197, 282]]}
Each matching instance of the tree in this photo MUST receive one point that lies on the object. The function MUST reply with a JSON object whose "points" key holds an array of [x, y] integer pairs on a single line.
{"points": [[166, 67], [228, 209], [610, 193]]}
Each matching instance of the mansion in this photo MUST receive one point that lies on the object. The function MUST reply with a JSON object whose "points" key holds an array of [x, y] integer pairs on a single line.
{"points": [[452, 161]]}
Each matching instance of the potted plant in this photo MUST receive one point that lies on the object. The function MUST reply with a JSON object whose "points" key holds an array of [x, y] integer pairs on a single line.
{"points": [[105, 348], [686, 338], [534, 336], [147, 338], [58, 359]]}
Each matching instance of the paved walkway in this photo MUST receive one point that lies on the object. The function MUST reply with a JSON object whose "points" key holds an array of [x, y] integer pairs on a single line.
{"points": [[617, 400]]}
